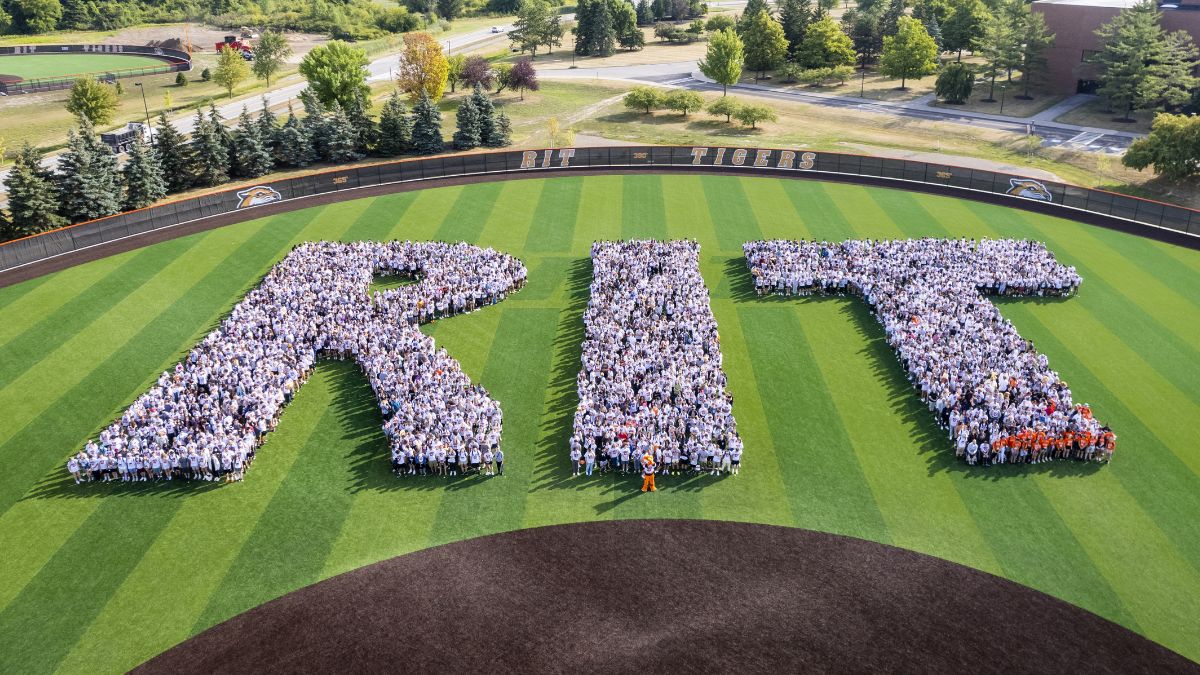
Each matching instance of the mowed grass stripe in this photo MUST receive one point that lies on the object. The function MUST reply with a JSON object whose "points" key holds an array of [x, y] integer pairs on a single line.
{"points": [[827, 488], [55, 328], [643, 213], [31, 533], [470, 213], [601, 209], [871, 395], [516, 373], [910, 214], [553, 224], [42, 298], [295, 533], [507, 228], [726, 209], [201, 541], [1147, 465], [817, 210], [379, 217], [57, 605], [10, 294]]}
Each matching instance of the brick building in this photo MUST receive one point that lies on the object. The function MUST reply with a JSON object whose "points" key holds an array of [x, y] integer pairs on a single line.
{"points": [[1074, 23]]}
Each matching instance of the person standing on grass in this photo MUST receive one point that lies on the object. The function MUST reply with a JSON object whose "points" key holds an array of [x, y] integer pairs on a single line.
{"points": [[648, 467], [576, 457], [589, 461], [499, 457]]}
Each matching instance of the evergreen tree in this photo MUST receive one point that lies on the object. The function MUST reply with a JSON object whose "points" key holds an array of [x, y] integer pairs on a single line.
{"points": [[487, 116], [863, 28], [888, 20], [765, 44], [32, 200], [225, 135], [1171, 83], [427, 127], [366, 133], [267, 126], [660, 9], [315, 125], [795, 16], [343, 139], [468, 133], [254, 157], [502, 132], [595, 34], [292, 146], [395, 127], [211, 155], [174, 155], [89, 184], [645, 15], [753, 9], [1000, 49], [1035, 40], [143, 174], [934, 28]]}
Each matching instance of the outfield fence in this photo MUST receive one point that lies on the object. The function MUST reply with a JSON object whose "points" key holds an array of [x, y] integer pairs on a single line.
{"points": [[1139, 216], [174, 60]]}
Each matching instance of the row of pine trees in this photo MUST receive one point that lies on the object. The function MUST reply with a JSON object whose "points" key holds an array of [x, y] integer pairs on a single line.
{"points": [[89, 183]]}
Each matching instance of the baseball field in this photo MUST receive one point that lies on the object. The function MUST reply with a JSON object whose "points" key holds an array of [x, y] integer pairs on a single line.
{"points": [[99, 578], [44, 66]]}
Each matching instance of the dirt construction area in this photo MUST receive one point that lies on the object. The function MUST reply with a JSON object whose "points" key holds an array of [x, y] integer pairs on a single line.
{"points": [[667, 596]]}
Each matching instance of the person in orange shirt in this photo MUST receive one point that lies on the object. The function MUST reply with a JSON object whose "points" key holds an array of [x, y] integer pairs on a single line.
{"points": [[648, 473]]}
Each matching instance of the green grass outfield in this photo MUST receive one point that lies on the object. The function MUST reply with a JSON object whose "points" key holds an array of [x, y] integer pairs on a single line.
{"points": [[96, 579], [39, 66]]}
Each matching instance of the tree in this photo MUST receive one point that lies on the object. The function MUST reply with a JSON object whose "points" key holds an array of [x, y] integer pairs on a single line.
{"points": [[91, 100], [726, 105], [181, 80], [934, 28], [395, 127], [765, 44], [450, 9], [826, 44], [500, 73], [964, 26], [1171, 82], [908, 53], [502, 133], [231, 69], [271, 52], [427, 126], [366, 132], [536, 25], [337, 72], [683, 101], [423, 68], [174, 155], [253, 154], [724, 59], [595, 34], [211, 156], [89, 184], [1000, 50], [144, 181], [864, 32], [752, 10], [720, 22], [477, 72], [292, 146], [454, 70], [1035, 39], [267, 125], [35, 16], [645, 15], [625, 26], [632, 39], [343, 140], [522, 76], [795, 16], [954, 82], [468, 135], [1172, 148], [889, 20], [32, 201], [753, 114], [315, 124], [645, 99]]}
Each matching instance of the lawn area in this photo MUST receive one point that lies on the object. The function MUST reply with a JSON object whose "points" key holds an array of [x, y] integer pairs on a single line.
{"points": [[835, 439], [1013, 106], [1096, 114], [37, 66]]}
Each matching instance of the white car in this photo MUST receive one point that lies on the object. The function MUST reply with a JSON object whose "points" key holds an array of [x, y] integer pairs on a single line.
{"points": [[497, 29]]}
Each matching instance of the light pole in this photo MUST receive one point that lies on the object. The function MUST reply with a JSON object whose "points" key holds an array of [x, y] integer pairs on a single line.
{"points": [[862, 79], [1003, 88], [144, 105]]}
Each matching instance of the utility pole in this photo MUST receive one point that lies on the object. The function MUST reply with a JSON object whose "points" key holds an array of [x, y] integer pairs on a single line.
{"points": [[144, 104]]}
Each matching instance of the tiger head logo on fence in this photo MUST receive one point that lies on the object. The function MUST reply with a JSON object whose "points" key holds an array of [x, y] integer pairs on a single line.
{"points": [[257, 195], [1029, 189]]}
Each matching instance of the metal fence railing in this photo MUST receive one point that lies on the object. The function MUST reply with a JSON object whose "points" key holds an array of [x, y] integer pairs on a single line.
{"points": [[1132, 214], [173, 60]]}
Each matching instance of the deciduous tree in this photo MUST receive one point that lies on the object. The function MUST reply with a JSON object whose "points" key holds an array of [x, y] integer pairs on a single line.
{"points": [[337, 72], [271, 52], [964, 26], [825, 44], [522, 76], [724, 59], [477, 72], [683, 101], [231, 69], [908, 53], [726, 105], [91, 100], [1172, 148], [765, 44], [954, 82], [645, 99], [423, 68], [751, 115]]}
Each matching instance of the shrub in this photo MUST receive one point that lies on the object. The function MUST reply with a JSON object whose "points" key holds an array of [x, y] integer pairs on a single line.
{"points": [[181, 80], [206, 75], [790, 72]]}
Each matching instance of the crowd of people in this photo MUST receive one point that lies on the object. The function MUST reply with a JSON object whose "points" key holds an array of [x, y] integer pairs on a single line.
{"points": [[991, 391], [204, 419], [652, 382]]}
